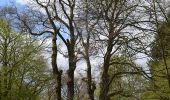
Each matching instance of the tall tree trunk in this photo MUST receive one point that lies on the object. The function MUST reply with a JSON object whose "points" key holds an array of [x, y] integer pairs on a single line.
{"points": [[104, 85], [57, 74], [90, 85], [72, 66], [70, 84], [72, 57]]}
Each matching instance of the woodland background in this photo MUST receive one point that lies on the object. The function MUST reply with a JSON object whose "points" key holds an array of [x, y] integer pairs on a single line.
{"points": [[85, 50]]}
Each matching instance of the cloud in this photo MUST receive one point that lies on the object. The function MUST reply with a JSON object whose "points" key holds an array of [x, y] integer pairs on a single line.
{"points": [[22, 2]]}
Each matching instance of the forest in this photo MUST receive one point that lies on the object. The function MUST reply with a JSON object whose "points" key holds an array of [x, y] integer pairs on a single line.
{"points": [[84, 49]]}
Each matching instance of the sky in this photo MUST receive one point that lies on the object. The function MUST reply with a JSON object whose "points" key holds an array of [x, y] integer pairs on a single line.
{"points": [[21, 4], [3, 2], [18, 3], [8, 2], [61, 60]]}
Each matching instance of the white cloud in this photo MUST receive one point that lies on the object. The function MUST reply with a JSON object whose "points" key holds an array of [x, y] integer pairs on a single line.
{"points": [[22, 2]]}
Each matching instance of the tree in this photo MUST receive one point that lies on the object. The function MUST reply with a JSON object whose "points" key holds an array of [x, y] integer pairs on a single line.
{"points": [[86, 24], [159, 87], [127, 78], [22, 65], [112, 31], [48, 22], [115, 18]]}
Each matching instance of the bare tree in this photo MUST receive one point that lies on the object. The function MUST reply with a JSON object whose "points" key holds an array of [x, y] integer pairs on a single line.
{"points": [[116, 16], [87, 23], [54, 12]]}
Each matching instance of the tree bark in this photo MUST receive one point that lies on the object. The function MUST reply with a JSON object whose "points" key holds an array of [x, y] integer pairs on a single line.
{"points": [[90, 85], [72, 66], [56, 73], [104, 85]]}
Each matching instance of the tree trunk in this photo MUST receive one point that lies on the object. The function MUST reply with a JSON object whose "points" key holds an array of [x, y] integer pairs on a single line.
{"points": [[90, 86], [56, 73], [104, 85], [70, 84], [72, 66]]}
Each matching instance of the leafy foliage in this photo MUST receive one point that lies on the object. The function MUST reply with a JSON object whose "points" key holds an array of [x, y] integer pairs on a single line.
{"points": [[158, 88], [22, 67]]}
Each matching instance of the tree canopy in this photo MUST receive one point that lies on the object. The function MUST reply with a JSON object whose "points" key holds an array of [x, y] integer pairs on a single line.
{"points": [[85, 50]]}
